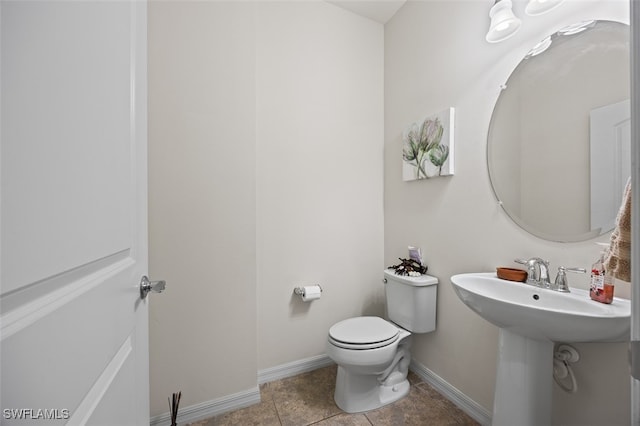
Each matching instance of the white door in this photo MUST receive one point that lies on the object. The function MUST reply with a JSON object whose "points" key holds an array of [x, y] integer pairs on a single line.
{"points": [[73, 225], [610, 151]]}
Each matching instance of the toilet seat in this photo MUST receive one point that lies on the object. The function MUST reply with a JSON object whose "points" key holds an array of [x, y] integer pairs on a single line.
{"points": [[363, 333]]}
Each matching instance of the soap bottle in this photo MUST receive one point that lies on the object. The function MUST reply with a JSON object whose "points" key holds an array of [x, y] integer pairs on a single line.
{"points": [[601, 287], [608, 288]]}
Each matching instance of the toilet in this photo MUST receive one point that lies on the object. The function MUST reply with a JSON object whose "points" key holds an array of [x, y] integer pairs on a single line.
{"points": [[372, 353]]}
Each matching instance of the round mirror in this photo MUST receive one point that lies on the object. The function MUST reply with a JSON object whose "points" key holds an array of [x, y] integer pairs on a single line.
{"points": [[558, 147]]}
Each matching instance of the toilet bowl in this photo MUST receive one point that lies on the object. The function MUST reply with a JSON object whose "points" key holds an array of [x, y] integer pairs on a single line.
{"points": [[373, 354], [372, 371]]}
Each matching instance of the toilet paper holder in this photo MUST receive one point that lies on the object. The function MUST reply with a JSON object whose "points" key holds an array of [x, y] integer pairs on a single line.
{"points": [[300, 290]]}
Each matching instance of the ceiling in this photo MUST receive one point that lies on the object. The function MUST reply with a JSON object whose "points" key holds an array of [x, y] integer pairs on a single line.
{"points": [[378, 10]]}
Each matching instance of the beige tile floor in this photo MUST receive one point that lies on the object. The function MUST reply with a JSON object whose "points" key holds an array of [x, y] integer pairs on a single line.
{"points": [[307, 399]]}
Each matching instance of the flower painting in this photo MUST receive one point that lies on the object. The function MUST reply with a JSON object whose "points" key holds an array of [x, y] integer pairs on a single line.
{"points": [[427, 147]]}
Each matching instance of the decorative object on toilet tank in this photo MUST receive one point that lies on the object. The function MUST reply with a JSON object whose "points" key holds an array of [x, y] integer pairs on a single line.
{"points": [[409, 267], [427, 147], [415, 253]]}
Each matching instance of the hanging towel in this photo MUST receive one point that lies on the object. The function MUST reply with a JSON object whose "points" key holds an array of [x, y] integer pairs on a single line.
{"points": [[618, 259]]}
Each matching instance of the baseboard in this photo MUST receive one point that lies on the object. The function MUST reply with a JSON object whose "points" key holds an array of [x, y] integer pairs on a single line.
{"points": [[294, 368], [462, 401], [211, 408]]}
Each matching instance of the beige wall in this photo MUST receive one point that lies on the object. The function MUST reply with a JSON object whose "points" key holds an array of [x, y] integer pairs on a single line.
{"points": [[436, 57], [266, 162], [267, 140], [319, 173], [202, 200]]}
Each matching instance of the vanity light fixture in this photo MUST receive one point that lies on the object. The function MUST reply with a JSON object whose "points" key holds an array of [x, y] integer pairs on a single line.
{"points": [[538, 7], [504, 23]]}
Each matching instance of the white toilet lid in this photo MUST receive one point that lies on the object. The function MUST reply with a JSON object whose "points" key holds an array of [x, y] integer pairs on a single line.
{"points": [[363, 333]]}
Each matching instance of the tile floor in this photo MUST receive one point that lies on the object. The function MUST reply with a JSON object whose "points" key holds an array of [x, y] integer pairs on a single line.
{"points": [[307, 399]]}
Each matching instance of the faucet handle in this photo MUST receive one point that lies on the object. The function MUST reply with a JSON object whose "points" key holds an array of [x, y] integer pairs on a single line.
{"points": [[562, 284]]}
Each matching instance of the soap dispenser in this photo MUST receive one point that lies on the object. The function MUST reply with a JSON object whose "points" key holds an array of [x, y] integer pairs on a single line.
{"points": [[601, 287]]}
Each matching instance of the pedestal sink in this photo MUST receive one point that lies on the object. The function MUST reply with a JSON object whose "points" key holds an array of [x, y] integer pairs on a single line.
{"points": [[531, 319]]}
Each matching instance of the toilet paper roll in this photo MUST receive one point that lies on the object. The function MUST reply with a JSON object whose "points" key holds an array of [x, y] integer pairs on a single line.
{"points": [[311, 292]]}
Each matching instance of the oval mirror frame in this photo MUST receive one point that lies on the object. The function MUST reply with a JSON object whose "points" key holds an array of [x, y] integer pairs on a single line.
{"points": [[548, 166]]}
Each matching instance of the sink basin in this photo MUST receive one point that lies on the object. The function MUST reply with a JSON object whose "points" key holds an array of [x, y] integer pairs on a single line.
{"points": [[530, 320], [544, 314]]}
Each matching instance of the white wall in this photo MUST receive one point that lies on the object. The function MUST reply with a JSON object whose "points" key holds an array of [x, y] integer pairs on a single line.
{"points": [[436, 57], [202, 192], [266, 172], [319, 173]]}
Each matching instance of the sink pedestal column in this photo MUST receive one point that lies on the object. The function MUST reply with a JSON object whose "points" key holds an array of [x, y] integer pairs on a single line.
{"points": [[523, 381]]}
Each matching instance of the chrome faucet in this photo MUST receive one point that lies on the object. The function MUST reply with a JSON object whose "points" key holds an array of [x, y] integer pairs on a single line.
{"points": [[537, 272]]}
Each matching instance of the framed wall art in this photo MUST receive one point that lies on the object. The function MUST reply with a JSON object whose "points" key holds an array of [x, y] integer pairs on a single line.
{"points": [[427, 147]]}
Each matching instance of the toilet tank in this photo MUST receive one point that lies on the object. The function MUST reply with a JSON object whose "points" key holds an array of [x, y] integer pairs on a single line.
{"points": [[411, 301]]}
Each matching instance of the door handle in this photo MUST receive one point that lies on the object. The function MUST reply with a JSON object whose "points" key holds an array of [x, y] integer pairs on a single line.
{"points": [[146, 286]]}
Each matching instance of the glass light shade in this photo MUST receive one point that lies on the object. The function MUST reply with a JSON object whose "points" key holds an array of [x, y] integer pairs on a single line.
{"points": [[538, 7], [504, 23]]}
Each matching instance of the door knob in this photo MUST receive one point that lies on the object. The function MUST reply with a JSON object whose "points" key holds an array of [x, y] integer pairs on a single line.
{"points": [[146, 286]]}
